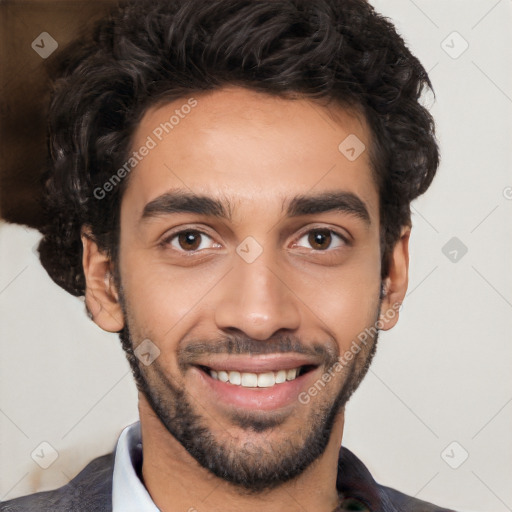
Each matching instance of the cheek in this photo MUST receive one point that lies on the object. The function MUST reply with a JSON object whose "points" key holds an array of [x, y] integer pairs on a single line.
{"points": [[345, 299], [160, 296]]}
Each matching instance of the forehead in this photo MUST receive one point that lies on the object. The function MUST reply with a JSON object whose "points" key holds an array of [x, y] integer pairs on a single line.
{"points": [[253, 149]]}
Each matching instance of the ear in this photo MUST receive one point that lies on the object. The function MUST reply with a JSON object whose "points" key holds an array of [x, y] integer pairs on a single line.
{"points": [[101, 297], [395, 284]]}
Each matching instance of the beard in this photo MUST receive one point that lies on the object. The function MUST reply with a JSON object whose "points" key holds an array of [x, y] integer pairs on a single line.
{"points": [[260, 465]]}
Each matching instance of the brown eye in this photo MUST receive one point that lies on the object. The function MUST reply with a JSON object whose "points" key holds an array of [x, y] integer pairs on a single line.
{"points": [[189, 240], [320, 239]]}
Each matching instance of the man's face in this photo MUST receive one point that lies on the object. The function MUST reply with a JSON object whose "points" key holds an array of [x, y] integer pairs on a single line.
{"points": [[273, 285]]}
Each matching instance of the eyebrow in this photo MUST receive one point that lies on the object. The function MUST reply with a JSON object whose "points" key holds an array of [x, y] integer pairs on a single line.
{"points": [[341, 201], [185, 202]]}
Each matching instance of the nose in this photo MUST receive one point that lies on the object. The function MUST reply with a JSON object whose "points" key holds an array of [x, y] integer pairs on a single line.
{"points": [[255, 298]]}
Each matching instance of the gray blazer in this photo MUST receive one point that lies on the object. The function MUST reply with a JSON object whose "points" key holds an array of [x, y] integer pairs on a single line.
{"points": [[91, 491]]}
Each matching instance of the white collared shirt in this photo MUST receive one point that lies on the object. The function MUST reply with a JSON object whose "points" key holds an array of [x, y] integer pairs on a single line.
{"points": [[128, 492]]}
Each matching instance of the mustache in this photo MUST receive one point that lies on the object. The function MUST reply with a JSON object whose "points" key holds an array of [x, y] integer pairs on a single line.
{"points": [[191, 352]]}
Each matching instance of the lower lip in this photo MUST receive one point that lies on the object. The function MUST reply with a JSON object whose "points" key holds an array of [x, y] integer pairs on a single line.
{"points": [[265, 399]]}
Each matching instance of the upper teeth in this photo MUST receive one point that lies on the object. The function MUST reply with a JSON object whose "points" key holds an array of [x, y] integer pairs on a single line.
{"points": [[253, 380]]}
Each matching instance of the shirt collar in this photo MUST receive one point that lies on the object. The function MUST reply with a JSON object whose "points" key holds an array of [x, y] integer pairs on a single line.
{"points": [[128, 492]]}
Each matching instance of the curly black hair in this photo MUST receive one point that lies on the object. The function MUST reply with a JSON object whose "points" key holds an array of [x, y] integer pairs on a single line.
{"points": [[150, 51]]}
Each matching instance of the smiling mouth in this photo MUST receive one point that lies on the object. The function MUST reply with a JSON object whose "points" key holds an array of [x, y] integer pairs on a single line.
{"points": [[267, 379]]}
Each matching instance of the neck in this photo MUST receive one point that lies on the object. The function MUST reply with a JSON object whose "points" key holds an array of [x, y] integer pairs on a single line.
{"points": [[176, 481]]}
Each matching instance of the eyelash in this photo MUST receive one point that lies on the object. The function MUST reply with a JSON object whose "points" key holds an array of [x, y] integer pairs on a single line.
{"points": [[167, 241]]}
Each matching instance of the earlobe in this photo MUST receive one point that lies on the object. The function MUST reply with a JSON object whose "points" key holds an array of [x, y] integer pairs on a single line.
{"points": [[101, 296], [395, 284]]}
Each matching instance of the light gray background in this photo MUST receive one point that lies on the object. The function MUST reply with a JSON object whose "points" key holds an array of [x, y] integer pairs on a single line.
{"points": [[442, 375]]}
